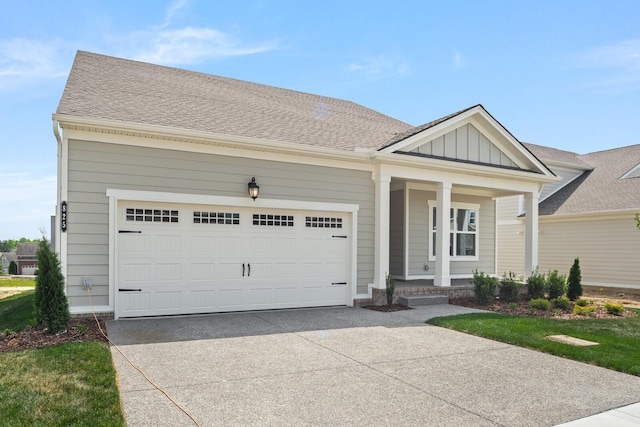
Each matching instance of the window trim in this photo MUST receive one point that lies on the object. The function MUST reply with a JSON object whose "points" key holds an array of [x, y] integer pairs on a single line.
{"points": [[454, 205]]}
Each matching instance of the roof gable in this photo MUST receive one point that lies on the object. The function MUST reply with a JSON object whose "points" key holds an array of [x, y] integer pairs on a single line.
{"points": [[471, 135]]}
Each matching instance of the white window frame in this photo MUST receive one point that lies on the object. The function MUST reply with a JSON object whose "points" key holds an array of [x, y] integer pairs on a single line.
{"points": [[431, 231]]}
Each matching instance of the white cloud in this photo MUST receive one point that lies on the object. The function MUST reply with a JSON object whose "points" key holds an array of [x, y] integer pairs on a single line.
{"points": [[171, 12], [380, 67], [24, 61], [622, 59], [192, 45]]}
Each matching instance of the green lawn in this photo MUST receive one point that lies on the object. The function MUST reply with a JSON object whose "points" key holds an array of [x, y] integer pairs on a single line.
{"points": [[14, 283], [67, 385], [619, 339], [16, 311], [72, 384]]}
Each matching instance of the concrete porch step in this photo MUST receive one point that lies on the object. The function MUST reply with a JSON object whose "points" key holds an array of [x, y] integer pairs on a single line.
{"points": [[418, 300]]}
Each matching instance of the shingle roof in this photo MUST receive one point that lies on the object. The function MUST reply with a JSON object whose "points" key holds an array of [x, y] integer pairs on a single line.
{"points": [[26, 250], [552, 154], [601, 188], [123, 90]]}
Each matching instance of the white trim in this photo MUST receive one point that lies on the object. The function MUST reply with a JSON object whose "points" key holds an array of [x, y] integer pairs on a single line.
{"points": [[64, 196], [631, 171], [120, 195], [165, 137], [454, 205], [590, 216], [405, 225]]}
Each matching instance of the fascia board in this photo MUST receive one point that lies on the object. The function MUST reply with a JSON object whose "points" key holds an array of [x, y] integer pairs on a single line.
{"points": [[590, 216], [202, 137]]}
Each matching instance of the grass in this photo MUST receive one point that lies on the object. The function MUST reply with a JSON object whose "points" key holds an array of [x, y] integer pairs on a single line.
{"points": [[71, 384], [14, 283], [618, 339], [17, 311]]}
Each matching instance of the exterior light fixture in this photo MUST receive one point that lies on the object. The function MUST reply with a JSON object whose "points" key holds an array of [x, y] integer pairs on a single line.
{"points": [[254, 189]]}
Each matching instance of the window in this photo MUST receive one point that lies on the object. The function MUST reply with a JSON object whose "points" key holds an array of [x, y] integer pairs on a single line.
{"points": [[273, 220], [323, 222], [216, 218], [463, 227], [151, 215]]}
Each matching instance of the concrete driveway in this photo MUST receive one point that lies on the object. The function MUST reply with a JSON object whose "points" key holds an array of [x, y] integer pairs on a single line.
{"points": [[349, 366]]}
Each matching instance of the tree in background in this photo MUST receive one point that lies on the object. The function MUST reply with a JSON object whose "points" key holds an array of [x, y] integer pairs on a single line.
{"points": [[11, 245], [574, 288], [637, 217], [52, 307], [13, 268]]}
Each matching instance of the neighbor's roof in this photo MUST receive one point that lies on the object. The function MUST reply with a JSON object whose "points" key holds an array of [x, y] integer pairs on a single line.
{"points": [[27, 249], [105, 87], [548, 154], [600, 189]]}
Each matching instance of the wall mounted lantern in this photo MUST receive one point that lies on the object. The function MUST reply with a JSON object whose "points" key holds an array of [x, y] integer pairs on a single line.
{"points": [[254, 189]]}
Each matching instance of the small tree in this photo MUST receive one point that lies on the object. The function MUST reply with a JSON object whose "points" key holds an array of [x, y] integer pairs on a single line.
{"points": [[391, 287], [52, 307], [536, 284], [13, 267], [556, 284], [574, 290]]}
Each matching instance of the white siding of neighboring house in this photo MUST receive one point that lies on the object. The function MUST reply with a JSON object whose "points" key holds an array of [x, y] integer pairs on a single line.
{"points": [[396, 233], [419, 235], [94, 167], [567, 176], [608, 248]]}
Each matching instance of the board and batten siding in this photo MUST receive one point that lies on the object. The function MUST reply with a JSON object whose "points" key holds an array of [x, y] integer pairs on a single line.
{"points": [[608, 248], [94, 167], [419, 235], [396, 233]]}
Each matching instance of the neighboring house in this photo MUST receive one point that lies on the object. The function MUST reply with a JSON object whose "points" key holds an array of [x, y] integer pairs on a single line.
{"points": [[27, 258], [5, 260], [589, 214], [155, 165]]}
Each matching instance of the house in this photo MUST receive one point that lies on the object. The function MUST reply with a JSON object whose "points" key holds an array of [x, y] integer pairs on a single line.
{"points": [[588, 214], [182, 192], [5, 260], [27, 258]]}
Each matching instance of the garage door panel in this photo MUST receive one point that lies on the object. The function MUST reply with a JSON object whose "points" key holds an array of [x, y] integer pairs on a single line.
{"points": [[185, 266]]}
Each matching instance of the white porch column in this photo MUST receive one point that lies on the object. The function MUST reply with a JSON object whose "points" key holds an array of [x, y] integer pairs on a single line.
{"points": [[443, 200], [531, 233], [381, 261]]}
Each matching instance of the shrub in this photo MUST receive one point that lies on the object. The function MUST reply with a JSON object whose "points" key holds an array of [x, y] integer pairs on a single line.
{"points": [[512, 306], [535, 285], [556, 284], [391, 287], [509, 288], [484, 287], [616, 309], [574, 288], [561, 303], [539, 304], [585, 310], [582, 302], [52, 307], [13, 268]]}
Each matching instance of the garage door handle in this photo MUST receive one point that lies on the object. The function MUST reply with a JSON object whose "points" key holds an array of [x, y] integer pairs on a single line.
{"points": [[129, 290], [339, 237], [243, 269], [129, 231], [339, 283], [249, 272]]}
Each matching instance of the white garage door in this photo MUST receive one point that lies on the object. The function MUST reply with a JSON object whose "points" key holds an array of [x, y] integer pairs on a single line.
{"points": [[178, 259]]}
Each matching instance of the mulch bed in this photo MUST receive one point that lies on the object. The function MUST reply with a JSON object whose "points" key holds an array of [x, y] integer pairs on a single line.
{"points": [[80, 330], [522, 309]]}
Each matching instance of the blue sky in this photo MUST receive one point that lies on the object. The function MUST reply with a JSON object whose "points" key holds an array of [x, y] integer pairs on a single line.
{"points": [[560, 73]]}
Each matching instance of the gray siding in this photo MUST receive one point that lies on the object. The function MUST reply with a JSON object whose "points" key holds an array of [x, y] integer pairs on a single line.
{"points": [[94, 167], [396, 233], [419, 235], [510, 236], [566, 175], [465, 143]]}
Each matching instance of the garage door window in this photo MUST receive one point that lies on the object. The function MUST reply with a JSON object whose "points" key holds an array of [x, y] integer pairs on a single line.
{"points": [[151, 215], [273, 220], [323, 222], [230, 218]]}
